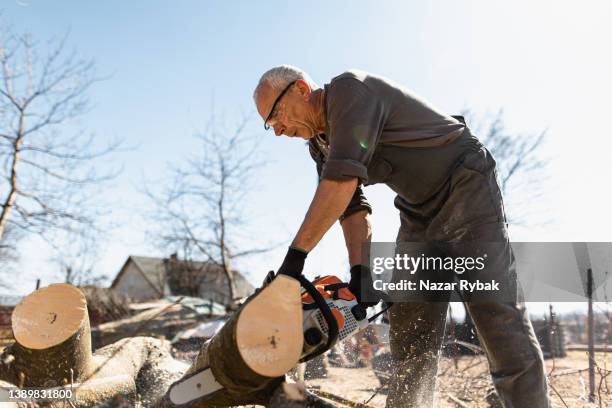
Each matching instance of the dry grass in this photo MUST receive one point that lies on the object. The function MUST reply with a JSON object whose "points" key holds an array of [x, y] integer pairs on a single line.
{"points": [[469, 381]]}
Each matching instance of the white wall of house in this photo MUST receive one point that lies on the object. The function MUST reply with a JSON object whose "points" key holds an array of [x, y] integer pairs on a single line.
{"points": [[134, 285]]}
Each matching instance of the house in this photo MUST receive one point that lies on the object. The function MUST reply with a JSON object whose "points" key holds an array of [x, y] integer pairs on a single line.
{"points": [[145, 278]]}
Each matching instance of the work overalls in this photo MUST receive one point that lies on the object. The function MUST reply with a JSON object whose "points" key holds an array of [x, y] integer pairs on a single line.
{"points": [[450, 193]]}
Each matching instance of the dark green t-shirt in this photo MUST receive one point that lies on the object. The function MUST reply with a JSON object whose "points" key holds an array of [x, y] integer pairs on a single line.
{"points": [[364, 110]]}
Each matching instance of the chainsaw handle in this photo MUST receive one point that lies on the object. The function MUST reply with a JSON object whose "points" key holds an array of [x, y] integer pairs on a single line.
{"points": [[332, 324]]}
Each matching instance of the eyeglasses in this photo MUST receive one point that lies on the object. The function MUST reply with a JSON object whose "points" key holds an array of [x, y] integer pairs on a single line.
{"points": [[278, 98]]}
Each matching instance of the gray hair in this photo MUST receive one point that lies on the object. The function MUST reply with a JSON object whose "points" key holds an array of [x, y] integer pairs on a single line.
{"points": [[281, 76]]}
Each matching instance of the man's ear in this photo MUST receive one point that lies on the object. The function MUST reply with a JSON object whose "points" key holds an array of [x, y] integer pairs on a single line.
{"points": [[304, 90]]}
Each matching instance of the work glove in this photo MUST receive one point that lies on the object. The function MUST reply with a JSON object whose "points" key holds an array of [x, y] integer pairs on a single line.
{"points": [[293, 265], [362, 286]]}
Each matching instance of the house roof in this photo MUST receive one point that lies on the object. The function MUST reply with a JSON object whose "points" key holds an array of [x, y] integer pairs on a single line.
{"points": [[154, 271]]}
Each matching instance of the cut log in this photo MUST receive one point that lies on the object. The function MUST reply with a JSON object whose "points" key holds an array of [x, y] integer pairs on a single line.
{"points": [[53, 348], [137, 368], [250, 355], [52, 338]]}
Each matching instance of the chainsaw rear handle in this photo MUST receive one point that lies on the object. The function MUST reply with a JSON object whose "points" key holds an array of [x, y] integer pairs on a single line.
{"points": [[332, 324]]}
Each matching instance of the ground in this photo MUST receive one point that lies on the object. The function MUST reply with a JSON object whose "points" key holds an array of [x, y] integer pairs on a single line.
{"points": [[470, 382], [467, 381]]}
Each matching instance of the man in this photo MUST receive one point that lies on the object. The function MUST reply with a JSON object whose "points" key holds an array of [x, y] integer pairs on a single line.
{"points": [[364, 129]]}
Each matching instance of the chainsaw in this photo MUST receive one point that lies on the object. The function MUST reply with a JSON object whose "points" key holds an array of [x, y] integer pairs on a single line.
{"points": [[331, 313]]}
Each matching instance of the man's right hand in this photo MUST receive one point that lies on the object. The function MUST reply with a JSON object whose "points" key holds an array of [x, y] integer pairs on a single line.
{"points": [[293, 264], [362, 286]]}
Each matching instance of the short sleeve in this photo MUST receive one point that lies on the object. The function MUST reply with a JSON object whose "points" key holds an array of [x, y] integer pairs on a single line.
{"points": [[358, 201], [355, 117]]}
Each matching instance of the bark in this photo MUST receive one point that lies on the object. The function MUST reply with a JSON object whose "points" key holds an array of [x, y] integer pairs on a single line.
{"points": [[58, 365]]}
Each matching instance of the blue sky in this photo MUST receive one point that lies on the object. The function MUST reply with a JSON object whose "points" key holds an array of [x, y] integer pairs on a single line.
{"points": [[545, 63]]}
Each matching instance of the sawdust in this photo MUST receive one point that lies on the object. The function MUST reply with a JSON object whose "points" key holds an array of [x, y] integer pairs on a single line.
{"points": [[467, 380]]}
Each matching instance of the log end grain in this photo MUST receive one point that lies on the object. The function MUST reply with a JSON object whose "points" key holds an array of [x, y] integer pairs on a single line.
{"points": [[269, 332], [49, 316]]}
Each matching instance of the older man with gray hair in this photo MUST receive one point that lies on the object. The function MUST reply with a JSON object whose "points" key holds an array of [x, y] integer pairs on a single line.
{"points": [[363, 129]]}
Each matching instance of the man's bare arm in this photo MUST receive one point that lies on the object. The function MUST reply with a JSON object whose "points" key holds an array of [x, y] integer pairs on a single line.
{"points": [[330, 200], [357, 230]]}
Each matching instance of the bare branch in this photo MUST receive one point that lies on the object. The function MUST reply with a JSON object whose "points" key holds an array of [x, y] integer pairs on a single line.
{"points": [[200, 210], [48, 175], [520, 167]]}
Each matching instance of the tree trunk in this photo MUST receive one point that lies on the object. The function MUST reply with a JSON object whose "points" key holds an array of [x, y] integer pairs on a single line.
{"points": [[53, 348], [52, 338], [12, 193], [250, 355]]}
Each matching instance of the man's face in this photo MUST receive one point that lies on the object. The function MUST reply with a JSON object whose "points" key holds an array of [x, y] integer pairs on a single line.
{"points": [[292, 115]]}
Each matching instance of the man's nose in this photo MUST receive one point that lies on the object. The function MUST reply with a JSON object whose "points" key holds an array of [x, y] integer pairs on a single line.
{"points": [[278, 130]]}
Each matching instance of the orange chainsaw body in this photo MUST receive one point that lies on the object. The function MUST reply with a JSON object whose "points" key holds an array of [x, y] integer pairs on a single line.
{"points": [[349, 315]]}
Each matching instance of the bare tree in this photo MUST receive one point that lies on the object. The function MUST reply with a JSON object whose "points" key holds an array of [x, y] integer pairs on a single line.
{"points": [[8, 255], [520, 166], [520, 169], [77, 259], [200, 213], [8, 249], [46, 164]]}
